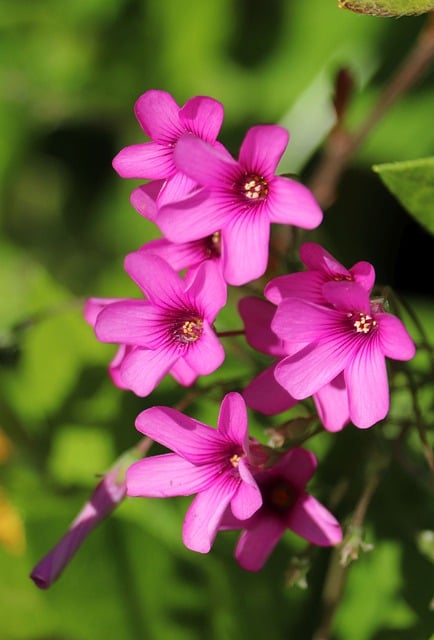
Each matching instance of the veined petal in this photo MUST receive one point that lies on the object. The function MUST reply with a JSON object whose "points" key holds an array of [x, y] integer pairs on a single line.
{"points": [[247, 499], [158, 115], [207, 290], [315, 257], [262, 149], [364, 274], [367, 385], [144, 199], [246, 240], [210, 167], [301, 321], [304, 284], [146, 160], [206, 354], [133, 322], [160, 283], [331, 402], [175, 188], [202, 116], [257, 315], [94, 306], [197, 216], [290, 202], [297, 466], [203, 517], [394, 338], [183, 373], [307, 371], [167, 475], [309, 519], [256, 543], [266, 395], [189, 438], [347, 296], [143, 369], [232, 420]]}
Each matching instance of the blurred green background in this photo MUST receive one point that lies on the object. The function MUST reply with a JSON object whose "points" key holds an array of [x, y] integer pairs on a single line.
{"points": [[70, 72]]}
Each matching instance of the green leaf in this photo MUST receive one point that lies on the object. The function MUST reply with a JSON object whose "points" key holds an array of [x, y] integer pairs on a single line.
{"points": [[412, 183], [388, 7]]}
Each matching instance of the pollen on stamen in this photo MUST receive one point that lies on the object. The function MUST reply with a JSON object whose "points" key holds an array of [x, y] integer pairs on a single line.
{"points": [[188, 330], [213, 245], [235, 460], [254, 187], [365, 323]]}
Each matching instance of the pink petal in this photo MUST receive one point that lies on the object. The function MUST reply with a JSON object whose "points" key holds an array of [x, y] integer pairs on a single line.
{"points": [[158, 115], [315, 257], [246, 239], [262, 149], [309, 519], [144, 198], [147, 160], [189, 438], [203, 517], [176, 188], [367, 385], [257, 315], [116, 364], [160, 283], [132, 322], [232, 420], [297, 466], [206, 354], [306, 372], [94, 306], [247, 499], [266, 395], [364, 274], [301, 321], [183, 373], [394, 338], [256, 544], [347, 296], [331, 402], [207, 290], [202, 116], [167, 475], [305, 284], [180, 255], [197, 216], [290, 202], [209, 166], [142, 369]]}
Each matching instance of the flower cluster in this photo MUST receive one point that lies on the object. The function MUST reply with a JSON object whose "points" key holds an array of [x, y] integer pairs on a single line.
{"points": [[328, 336]]}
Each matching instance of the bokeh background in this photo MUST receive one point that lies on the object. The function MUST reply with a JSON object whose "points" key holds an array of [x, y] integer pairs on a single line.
{"points": [[70, 72]]}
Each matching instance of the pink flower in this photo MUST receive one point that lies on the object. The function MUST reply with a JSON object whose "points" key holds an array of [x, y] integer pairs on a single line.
{"points": [[322, 267], [164, 122], [286, 505], [240, 198], [105, 498], [171, 331], [213, 463], [349, 337]]}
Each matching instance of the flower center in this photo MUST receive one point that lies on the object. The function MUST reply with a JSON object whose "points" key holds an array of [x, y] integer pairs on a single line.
{"points": [[213, 245], [254, 187], [235, 460], [363, 322], [188, 330], [339, 278], [280, 496]]}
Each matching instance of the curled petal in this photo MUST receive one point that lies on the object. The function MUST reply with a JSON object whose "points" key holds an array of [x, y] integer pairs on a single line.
{"points": [[158, 115], [262, 149], [258, 541], [290, 202], [312, 521], [202, 116], [147, 160]]}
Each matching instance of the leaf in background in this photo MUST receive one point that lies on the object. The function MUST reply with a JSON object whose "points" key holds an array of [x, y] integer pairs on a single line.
{"points": [[388, 7], [412, 183], [12, 536]]}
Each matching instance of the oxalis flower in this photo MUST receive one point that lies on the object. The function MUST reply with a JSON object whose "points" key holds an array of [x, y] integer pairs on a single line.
{"points": [[170, 331], [239, 198], [213, 463], [164, 122], [285, 505], [349, 338]]}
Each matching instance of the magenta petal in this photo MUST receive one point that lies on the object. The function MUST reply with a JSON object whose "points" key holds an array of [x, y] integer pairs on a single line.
{"points": [[262, 149], [309, 519], [256, 543], [175, 188], [297, 466], [305, 284], [160, 283], [142, 369], [94, 306], [133, 322], [266, 395], [206, 354], [394, 338], [183, 373], [202, 116], [347, 296], [207, 290], [187, 437], [290, 202], [179, 255], [248, 499], [232, 420], [197, 216], [205, 164], [315, 257], [368, 387], [364, 274], [246, 239], [158, 115], [167, 475], [331, 402], [301, 321], [203, 517], [257, 315], [144, 198], [147, 160]]}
